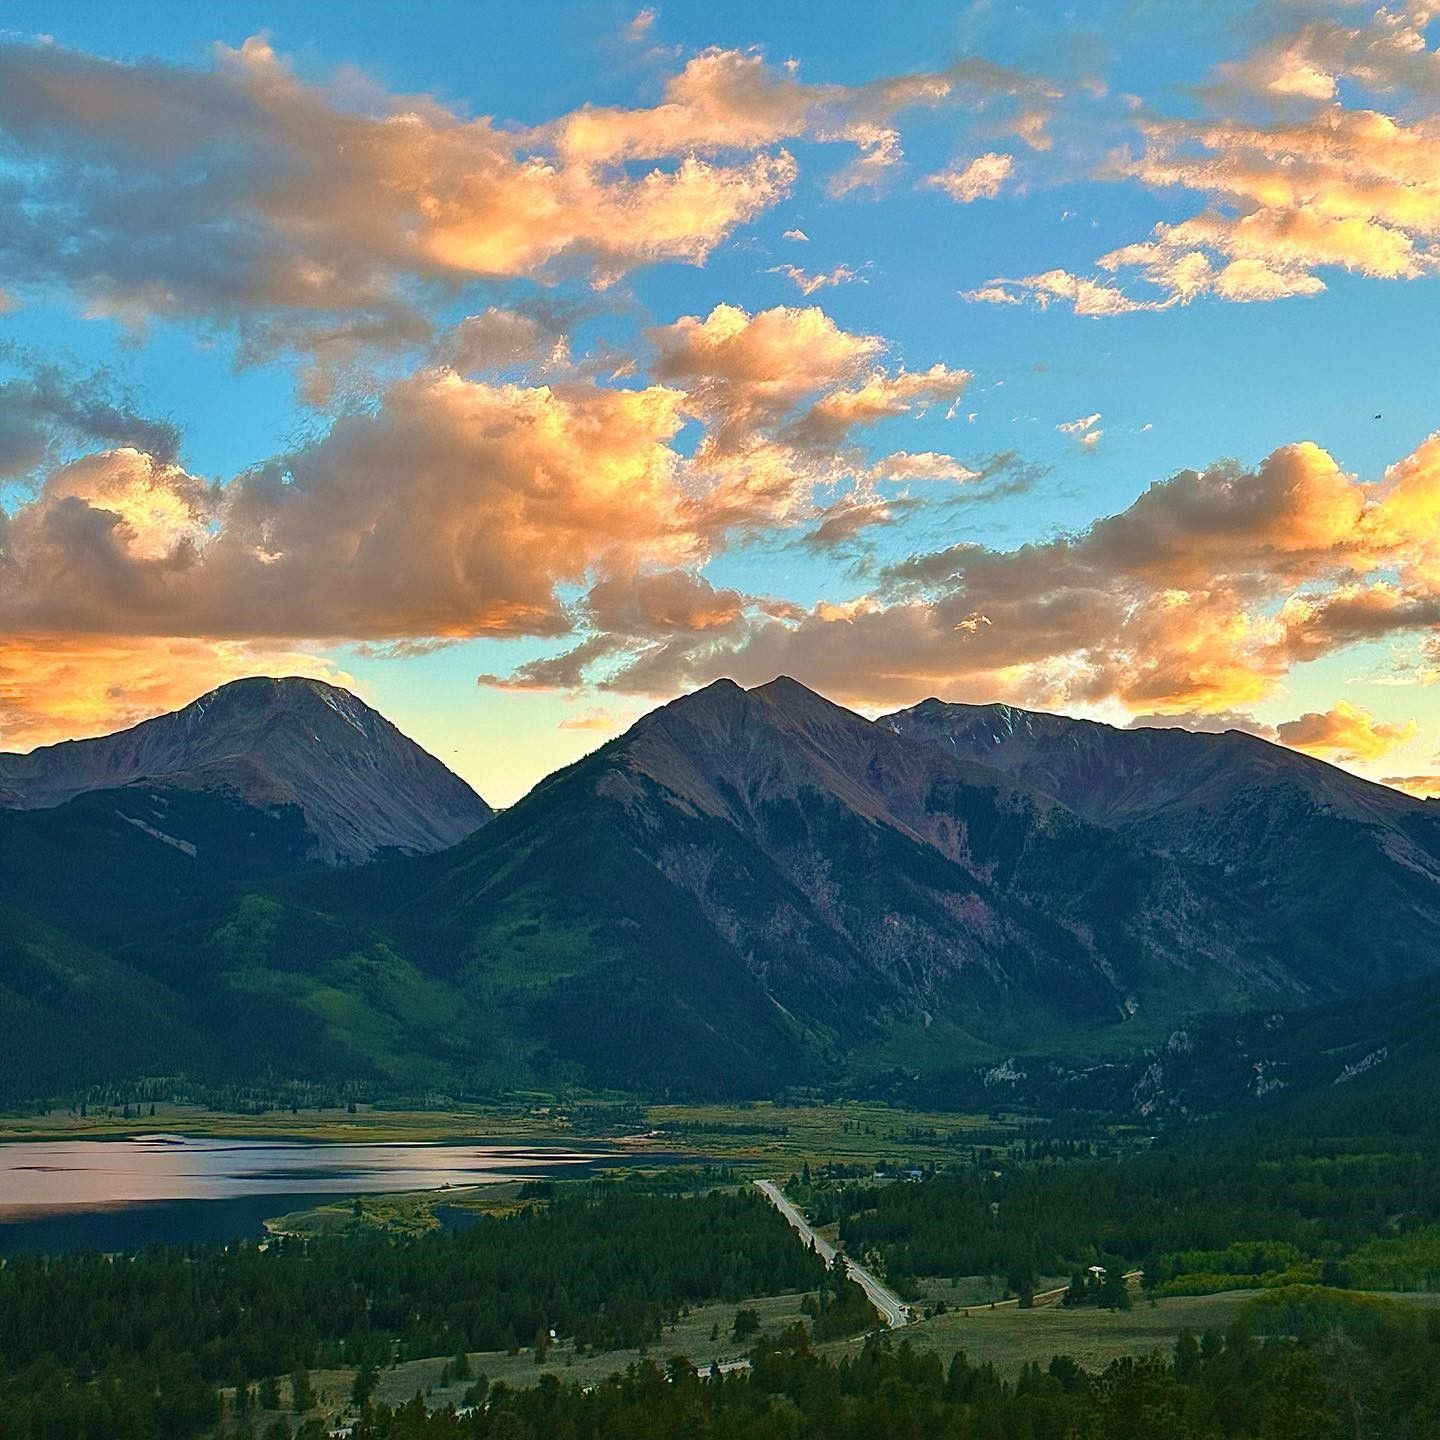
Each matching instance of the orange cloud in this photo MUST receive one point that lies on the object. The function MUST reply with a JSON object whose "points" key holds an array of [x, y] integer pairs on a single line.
{"points": [[1084, 431], [808, 283], [1331, 185], [1200, 597], [461, 507], [321, 214], [1345, 732], [1423, 787], [454, 509]]}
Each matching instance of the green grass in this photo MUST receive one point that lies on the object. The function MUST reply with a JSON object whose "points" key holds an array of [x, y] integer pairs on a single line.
{"points": [[403, 1212], [1010, 1338], [689, 1336], [1007, 1337], [848, 1133]]}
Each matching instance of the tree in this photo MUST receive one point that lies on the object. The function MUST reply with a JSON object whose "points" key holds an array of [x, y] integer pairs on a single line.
{"points": [[364, 1386], [1114, 1292], [302, 1393], [747, 1323]]}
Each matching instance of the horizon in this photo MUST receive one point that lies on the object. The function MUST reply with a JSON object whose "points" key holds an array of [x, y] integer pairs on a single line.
{"points": [[522, 385], [722, 680]]}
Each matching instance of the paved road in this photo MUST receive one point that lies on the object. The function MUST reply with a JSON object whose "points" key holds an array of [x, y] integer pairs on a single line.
{"points": [[894, 1310]]}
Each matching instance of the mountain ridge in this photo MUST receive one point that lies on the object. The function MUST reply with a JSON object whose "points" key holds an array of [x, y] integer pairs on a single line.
{"points": [[747, 890], [280, 742]]}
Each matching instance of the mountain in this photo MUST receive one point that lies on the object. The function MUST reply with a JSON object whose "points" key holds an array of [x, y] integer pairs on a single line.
{"points": [[748, 890], [762, 886], [356, 785], [1349, 869]]}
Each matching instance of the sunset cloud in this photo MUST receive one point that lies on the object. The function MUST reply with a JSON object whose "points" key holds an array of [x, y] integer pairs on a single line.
{"points": [[267, 194], [323, 214], [459, 507], [1084, 431], [1200, 597], [1345, 732], [1322, 183], [808, 282], [454, 509], [1423, 787], [592, 719]]}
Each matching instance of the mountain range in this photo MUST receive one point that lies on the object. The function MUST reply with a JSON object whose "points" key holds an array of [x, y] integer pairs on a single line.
{"points": [[749, 890]]}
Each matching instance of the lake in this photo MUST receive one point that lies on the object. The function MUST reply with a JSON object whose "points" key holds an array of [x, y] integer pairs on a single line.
{"points": [[115, 1194]]}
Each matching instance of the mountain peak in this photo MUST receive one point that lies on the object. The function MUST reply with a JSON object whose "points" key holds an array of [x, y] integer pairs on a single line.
{"points": [[361, 786]]}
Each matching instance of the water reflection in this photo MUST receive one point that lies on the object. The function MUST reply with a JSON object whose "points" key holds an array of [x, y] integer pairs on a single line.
{"points": [[119, 1194], [48, 1175]]}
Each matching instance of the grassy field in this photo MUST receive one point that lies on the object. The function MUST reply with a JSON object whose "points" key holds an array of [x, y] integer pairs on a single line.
{"points": [[366, 1125], [1007, 1337], [690, 1337], [1010, 1338], [401, 1212], [781, 1138]]}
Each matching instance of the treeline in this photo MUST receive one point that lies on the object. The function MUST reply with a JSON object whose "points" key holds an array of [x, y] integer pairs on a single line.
{"points": [[1161, 1210], [1311, 1366], [604, 1264]]}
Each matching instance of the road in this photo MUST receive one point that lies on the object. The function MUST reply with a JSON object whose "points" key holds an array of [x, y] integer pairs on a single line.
{"points": [[891, 1307], [1039, 1299]]}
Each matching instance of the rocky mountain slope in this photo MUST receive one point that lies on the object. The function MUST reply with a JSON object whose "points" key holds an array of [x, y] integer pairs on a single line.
{"points": [[1351, 869], [358, 785], [747, 890], [763, 880]]}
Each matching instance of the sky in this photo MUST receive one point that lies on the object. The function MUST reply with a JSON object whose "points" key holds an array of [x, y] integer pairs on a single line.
{"points": [[523, 367]]}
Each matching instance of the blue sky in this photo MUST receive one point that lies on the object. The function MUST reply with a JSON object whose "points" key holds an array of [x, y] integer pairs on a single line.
{"points": [[274, 247]]}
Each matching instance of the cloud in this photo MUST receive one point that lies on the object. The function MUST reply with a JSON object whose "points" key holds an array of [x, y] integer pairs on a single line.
{"points": [[1087, 296], [67, 687], [928, 465], [498, 339], [982, 179], [1423, 787], [843, 522], [1345, 732], [1214, 722], [1200, 597], [455, 508], [463, 505], [638, 28], [593, 719], [1316, 181], [45, 410], [328, 215], [661, 603], [1084, 431], [808, 283], [799, 236], [242, 193], [783, 394]]}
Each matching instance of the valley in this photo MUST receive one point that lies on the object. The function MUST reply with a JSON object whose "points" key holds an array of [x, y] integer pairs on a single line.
{"points": [[1015, 1012]]}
